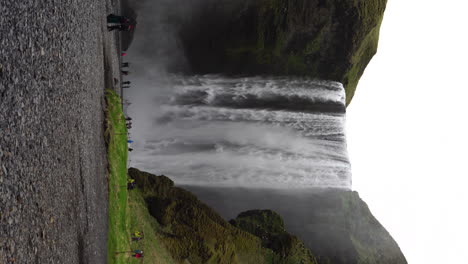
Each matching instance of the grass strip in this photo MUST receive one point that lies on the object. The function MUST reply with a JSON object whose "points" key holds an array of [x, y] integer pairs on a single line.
{"points": [[117, 153], [127, 209]]}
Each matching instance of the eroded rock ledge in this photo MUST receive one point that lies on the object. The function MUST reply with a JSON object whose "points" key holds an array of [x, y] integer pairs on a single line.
{"points": [[324, 39]]}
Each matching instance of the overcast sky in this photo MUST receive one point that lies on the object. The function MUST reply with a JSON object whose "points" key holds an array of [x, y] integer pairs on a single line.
{"points": [[408, 130]]}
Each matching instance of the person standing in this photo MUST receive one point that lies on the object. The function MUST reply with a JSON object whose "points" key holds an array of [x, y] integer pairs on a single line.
{"points": [[117, 19]]}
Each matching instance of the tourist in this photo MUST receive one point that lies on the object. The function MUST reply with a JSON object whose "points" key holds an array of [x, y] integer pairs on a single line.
{"points": [[117, 19]]}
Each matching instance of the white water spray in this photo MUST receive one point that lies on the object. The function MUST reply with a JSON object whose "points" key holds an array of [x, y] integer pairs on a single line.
{"points": [[247, 132]]}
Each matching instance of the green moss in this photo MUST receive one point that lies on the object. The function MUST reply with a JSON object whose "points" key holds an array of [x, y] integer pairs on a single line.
{"points": [[360, 59], [313, 46], [366, 42], [269, 226], [295, 65], [192, 232]]}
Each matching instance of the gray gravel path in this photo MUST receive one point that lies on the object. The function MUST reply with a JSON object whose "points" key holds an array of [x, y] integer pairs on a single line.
{"points": [[53, 185]]}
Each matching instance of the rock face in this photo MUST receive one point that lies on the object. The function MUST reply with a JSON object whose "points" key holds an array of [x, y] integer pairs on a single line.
{"points": [[324, 39], [341, 228], [336, 226], [195, 233], [269, 227]]}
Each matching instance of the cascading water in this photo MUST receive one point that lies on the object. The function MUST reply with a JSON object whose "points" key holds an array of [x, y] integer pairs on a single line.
{"points": [[248, 132]]}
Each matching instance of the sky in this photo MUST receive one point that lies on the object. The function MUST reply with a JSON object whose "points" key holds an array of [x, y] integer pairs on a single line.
{"points": [[408, 130]]}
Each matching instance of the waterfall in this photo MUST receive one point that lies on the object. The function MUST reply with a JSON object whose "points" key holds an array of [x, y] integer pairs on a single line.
{"points": [[260, 132]]}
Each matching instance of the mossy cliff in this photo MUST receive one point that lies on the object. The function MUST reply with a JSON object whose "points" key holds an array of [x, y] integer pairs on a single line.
{"points": [[325, 39], [194, 233], [336, 226], [269, 227]]}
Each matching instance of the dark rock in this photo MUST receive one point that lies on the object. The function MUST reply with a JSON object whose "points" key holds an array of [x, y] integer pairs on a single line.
{"points": [[325, 39]]}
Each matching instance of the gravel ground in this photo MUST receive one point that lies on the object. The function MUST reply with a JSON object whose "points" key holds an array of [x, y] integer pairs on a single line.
{"points": [[56, 58]]}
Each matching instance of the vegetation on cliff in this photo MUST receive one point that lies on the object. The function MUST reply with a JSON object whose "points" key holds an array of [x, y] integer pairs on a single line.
{"points": [[194, 233], [325, 39], [269, 227]]}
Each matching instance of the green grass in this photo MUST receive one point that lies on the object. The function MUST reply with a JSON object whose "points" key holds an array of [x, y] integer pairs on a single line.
{"points": [[116, 138], [127, 209], [141, 220]]}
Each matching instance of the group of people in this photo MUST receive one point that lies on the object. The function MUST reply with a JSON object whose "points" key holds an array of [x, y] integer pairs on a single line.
{"points": [[123, 23], [125, 65], [120, 23], [131, 184], [137, 235], [128, 124]]}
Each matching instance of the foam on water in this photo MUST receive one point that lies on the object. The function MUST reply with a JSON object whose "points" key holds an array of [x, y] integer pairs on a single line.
{"points": [[248, 132]]}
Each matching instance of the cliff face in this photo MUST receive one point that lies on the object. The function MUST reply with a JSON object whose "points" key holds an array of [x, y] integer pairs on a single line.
{"points": [[269, 227], [336, 227], [324, 39], [195, 233], [344, 230]]}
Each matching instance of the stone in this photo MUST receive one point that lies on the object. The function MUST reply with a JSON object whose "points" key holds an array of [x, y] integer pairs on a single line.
{"points": [[4, 169]]}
